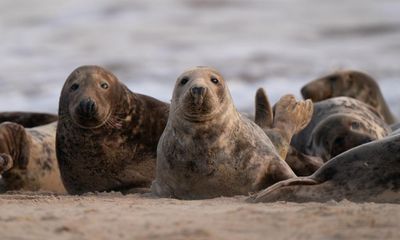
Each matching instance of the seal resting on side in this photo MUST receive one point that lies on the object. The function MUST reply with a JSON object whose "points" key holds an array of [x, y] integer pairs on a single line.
{"points": [[352, 84], [107, 135], [339, 124], [208, 149], [28, 119], [28, 159], [368, 173]]}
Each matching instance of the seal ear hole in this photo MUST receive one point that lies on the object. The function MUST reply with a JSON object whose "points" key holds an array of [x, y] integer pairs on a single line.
{"points": [[184, 80], [214, 80], [74, 86], [104, 85]]}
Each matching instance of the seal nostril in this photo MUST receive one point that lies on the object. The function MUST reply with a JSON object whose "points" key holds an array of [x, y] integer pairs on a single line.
{"points": [[87, 107], [198, 91]]}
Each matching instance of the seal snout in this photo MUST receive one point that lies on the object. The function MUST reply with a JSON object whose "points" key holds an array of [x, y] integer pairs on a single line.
{"points": [[198, 91], [87, 108]]}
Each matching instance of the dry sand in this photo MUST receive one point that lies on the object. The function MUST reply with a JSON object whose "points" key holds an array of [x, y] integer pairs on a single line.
{"points": [[114, 216]]}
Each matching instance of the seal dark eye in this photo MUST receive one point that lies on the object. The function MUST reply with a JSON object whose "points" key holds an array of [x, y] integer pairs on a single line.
{"points": [[184, 80], [214, 80], [74, 86], [104, 85]]}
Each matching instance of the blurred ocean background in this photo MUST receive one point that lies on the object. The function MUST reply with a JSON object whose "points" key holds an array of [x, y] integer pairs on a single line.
{"points": [[277, 44]]}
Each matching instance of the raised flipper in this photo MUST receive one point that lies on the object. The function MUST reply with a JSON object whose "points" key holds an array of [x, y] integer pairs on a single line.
{"points": [[28, 119], [263, 116]]}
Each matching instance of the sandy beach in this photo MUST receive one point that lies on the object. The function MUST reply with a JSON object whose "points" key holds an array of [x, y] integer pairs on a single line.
{"points": [[114, 216], [276, 44]]}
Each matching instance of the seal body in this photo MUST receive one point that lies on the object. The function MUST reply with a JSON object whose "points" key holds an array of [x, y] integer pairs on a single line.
{"points": [[28, 159], [107, 135], [208, 148], [28, 119], [339, 124], [368, 173], [352, 84]]}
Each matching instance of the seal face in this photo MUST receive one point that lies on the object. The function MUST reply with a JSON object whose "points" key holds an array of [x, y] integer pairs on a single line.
{"points": [[107, 135], [208, 149], [368, 173], [28, 159], [352, 84], [339, 124]]}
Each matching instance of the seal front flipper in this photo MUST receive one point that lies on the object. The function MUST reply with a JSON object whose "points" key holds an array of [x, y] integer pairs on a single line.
{"points": [[14, 143], [263, 115], [282, 191], [6, 162], [302, 164], [28, 119]]}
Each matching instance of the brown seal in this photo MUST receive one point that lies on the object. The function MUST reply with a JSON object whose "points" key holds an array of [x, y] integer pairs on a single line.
{"points": [[27, 158], [107, 135], [368, 173], [352, 84], [339, 124], [28, 119], [208, 149]]}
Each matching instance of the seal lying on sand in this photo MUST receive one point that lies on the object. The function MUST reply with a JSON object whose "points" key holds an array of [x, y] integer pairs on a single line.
{"points": [[27, 158], [339, 124], [368, 173], [352, 84], [208, 149], [107, 136], [28, 119]]}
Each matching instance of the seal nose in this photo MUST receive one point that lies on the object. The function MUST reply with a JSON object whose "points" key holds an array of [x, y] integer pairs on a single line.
{"points": [[198, 91], [87, 108]]}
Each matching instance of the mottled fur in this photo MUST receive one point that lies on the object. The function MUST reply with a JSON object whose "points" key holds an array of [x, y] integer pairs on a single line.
{"points": [[116, 149], [209, 149], [339, 124], [352, 84], [28, 158], [368, 173]]}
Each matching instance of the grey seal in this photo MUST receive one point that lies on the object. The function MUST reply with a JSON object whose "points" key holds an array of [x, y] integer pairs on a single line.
{"points": [[208, 149], [107, 135], [28, 159]]}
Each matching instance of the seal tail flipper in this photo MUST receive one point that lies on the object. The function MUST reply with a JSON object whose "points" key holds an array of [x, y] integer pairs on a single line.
{"points": [[281, 191], [263, 115]]}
